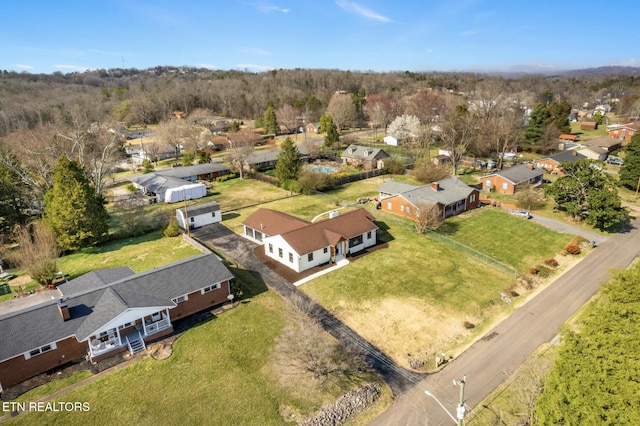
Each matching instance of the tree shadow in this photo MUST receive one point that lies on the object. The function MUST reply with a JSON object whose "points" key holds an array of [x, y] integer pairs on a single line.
{"points": [[383, 234], [448, 228], [230, 215]]}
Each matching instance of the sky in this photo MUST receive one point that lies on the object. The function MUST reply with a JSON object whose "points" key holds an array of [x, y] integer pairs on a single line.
{"points": [[359, 35]]}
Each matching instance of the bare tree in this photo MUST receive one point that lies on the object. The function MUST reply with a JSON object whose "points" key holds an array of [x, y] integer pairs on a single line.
{"points": [[343, 111], [381, 111], [38, 251], [426, 172], [427, 105], [176, 133], [288, 117], [458, 134], [500, 132], [241, 146], [427, 216]]}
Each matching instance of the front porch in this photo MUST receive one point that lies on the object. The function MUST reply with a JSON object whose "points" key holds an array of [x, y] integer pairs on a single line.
{"points": [[128, 334]]}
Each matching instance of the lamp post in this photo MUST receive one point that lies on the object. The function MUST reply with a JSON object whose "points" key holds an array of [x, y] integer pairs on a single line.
{"points": [[460, 409]]}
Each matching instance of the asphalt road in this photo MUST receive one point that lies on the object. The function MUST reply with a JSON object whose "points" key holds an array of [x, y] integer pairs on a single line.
{"points": [[566, 228], [496, 356]]}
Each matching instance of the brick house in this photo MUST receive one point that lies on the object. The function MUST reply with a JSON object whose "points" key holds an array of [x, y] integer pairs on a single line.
{"points": [[106, 312], [515, 178], [451, 195], [363, 156], [552, 163], [623, 131]]}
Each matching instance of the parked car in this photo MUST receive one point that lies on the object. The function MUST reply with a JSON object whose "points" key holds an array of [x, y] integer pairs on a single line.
{"points": [[521, 213], [615, 161]]}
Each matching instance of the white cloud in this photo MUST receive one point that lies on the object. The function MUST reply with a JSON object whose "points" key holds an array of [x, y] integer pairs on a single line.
{"points": [[71, 67], [258, 51], [631, 62], [267, 8], [23, 66], [255, 67], [362, 11]]}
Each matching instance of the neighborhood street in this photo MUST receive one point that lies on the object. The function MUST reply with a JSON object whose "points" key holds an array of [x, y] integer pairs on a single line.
{"points": [[493, 358]]}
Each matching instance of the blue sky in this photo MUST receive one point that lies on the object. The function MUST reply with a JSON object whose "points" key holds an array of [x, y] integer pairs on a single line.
{"points": [[359, 35]]}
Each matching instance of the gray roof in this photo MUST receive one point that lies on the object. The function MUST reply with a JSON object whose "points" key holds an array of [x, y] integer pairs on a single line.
{"points": [[157, 183], [264, 156], [91, 310], [363, 153], [566, 156], [195, 170], [393, 187], [449, 191], [518, 173], [94, 280], [199, 209]]}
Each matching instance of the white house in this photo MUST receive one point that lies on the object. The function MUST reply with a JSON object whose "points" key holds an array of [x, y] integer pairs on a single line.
{"points": [[390, 140], [307, 245], [198, 216]]}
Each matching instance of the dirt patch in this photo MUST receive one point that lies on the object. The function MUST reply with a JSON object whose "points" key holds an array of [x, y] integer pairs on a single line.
{"points": [[162, 350], [406, 328], [21, 280]]}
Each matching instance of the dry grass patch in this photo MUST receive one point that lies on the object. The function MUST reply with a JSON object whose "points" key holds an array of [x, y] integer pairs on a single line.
{"points": [[406, 328]]}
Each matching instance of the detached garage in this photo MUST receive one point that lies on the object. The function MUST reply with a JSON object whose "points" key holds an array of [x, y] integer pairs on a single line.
{"points": [[198, 216]]}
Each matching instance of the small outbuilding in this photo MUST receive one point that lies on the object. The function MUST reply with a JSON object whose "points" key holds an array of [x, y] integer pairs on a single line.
{"points": [[199, 216]]}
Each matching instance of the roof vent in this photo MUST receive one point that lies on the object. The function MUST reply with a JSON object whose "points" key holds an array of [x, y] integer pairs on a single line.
{"points": [[333, 213]]}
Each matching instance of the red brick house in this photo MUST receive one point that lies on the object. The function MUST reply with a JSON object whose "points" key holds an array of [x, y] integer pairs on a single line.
{"points": [[106, 312], [623, 131], [515, 178], [363, 156], [451, 195], [552, 163]]}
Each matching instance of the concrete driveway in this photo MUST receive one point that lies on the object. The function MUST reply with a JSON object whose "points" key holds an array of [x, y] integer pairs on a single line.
{"points": [[560, 226]]}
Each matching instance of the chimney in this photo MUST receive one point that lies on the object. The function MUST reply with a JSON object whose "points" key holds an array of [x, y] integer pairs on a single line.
{"points": [[64, 310], [435, 186], [530, 166], [574, 152]]}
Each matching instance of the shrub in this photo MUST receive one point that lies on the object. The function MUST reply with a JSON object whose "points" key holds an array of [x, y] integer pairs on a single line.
{"points": [[514, 293], [534, 271], [572, 249], [551, 262], [468, 325], [172, 229]]}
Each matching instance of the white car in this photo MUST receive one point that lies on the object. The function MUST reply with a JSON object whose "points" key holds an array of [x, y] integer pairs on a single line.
{"points": [[522, 213]]}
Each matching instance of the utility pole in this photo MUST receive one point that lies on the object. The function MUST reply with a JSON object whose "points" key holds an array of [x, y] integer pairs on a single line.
{"points": [[460, 411]]}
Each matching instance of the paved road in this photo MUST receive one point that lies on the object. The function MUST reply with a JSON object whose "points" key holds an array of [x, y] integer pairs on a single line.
{"points": [[566, 228], [240, 250], [495, 357]]}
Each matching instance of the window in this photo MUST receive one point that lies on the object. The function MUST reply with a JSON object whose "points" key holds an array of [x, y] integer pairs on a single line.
{"points": [[191, 219], [125, 325], [356, 241], [325, 250], [40, 350], [280, 252], [210, 288], [389, 205], [180, 299], [472, 198], [291, 257], [270, 248], [369, 235], [407, 209], [213, 214], [505, 185], [401, 208], [487, 182], [310, 257]]}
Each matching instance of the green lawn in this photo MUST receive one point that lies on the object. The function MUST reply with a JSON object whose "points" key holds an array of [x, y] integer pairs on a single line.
{"points": [[508, 239], [219, 373]]}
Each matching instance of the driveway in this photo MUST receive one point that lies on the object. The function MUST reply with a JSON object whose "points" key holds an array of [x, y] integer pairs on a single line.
{"points": [[560, 226], [240, 250], [492, 359]]}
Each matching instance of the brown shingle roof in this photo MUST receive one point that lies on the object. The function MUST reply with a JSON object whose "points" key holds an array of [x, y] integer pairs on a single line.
{"points": [[330, 231], [271, 222]]}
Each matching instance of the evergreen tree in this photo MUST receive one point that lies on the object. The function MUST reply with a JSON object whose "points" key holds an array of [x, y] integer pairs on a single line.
{"points": [[13, 200], [332, 137], [586, 192], [538, 121], [325, 123], [559, 112], [595, 377], [269, 121], [288, 164], [630, 170], [73, 210]]}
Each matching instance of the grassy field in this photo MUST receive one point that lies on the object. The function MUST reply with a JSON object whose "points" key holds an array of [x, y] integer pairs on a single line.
{"points": [[220, 372], [505, 237], [226, 382]]}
